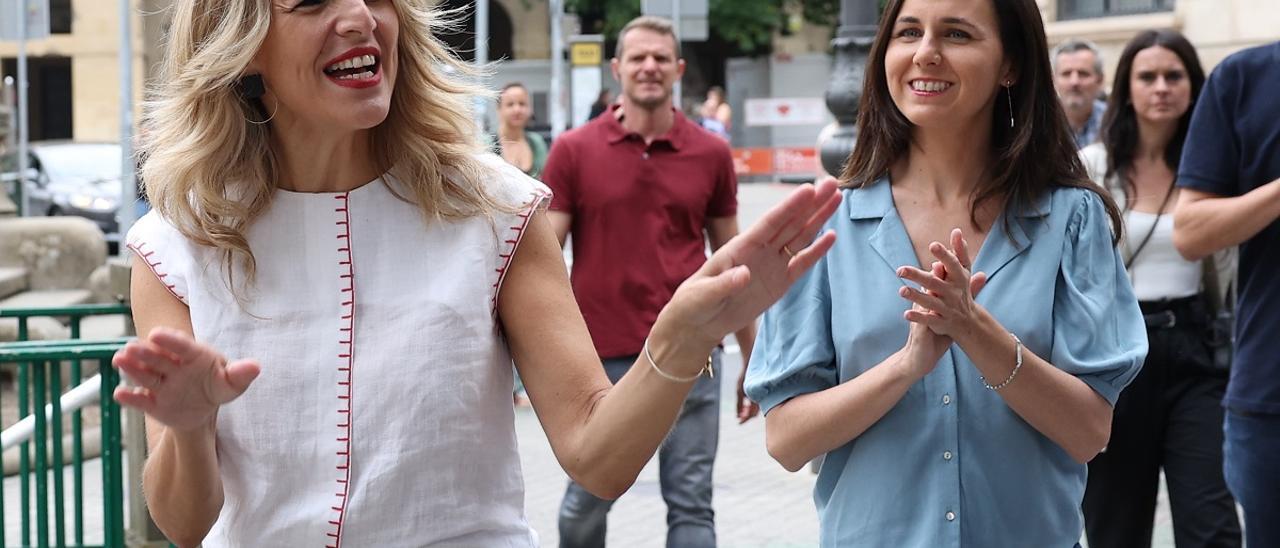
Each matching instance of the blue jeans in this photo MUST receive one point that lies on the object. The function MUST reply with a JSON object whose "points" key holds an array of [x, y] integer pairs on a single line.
{"points": [[1251, 443], [684, 471]]}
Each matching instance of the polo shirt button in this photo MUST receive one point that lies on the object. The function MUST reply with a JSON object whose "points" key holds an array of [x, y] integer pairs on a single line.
{"points": [[644, 155], [946, 455], [946, 399], [951, 516]]}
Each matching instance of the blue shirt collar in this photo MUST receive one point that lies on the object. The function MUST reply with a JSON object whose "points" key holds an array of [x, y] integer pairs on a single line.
{"points": [[876, 200]]}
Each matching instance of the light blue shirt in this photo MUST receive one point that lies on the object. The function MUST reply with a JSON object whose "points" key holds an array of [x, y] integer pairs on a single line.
{"points": [[1092, 127], [951, 464]]}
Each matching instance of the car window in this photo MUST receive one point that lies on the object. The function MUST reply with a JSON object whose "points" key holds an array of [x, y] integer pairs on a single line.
{"points": [[80, 161]]}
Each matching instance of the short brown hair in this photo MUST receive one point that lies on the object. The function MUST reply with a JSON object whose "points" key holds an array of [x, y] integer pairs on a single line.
{"points": [[660, 25]]}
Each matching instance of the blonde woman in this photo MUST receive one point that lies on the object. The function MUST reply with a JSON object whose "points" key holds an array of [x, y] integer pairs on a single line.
{"points": [[335, 281]]}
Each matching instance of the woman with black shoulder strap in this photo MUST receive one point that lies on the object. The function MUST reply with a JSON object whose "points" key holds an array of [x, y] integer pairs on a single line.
{"points": [[1170, 417]]}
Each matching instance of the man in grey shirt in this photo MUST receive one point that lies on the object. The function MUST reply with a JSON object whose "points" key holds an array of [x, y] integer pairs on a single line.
{"points": [[1077, 75]]}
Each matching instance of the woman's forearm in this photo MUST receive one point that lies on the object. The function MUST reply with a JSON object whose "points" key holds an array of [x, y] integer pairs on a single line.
{"points": [[1054, 402], [182, 484], [809, 425], [625, 426]]}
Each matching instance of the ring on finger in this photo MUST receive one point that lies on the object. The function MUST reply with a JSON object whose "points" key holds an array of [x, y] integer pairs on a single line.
{"points": [[790, 253]]}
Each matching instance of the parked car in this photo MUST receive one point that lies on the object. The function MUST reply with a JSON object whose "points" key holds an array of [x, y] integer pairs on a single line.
{"points": [[73, 178]]}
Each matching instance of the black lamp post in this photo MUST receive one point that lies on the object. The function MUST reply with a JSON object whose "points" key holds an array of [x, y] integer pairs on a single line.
{"points": [[852, 45]]}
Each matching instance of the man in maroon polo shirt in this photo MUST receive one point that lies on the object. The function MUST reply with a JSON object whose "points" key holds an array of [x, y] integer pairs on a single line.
{"points": [[638, 187]]}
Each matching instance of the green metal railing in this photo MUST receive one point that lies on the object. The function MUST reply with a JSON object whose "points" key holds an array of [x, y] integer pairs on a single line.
{"points": [[39, 382]]}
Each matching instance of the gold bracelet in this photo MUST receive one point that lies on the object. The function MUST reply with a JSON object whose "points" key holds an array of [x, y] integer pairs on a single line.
{"points": [[707, 368]]}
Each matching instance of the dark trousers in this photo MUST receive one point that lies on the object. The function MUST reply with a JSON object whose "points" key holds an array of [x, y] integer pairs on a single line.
{"points": [[685, 463], [1169, 417]]}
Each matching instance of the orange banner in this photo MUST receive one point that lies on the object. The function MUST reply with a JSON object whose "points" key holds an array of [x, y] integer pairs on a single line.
{"points": [[753, 161], [775, 161]]}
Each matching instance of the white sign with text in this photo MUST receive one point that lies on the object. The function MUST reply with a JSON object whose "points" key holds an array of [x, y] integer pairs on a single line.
{"points": [[792, 111]]}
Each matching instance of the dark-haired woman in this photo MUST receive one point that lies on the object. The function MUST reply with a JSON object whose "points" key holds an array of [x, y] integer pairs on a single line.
{"points": [[957, 354], [1170, 418]]}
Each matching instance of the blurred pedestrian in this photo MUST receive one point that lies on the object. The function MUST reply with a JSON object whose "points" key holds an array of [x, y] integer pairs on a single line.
{"points": [[603, 100], [715, 115], [638, 188], [336, 279], [1170, 417], [1230, 195], [1078, 77], [955, 401], [520, 147]]}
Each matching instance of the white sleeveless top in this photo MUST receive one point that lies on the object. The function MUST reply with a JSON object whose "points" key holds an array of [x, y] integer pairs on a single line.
{"points": [[1158, 272], [383, 413]]}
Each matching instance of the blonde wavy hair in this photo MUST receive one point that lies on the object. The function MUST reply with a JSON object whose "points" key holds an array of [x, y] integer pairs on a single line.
{"points": [[210, 172]]}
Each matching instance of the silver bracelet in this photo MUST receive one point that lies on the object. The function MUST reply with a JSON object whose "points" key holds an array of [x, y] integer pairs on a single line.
{"points": [[707, 368], [1017, 346]]}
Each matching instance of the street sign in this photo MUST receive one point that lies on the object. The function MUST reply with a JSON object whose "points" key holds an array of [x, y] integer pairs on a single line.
{"points": [[589, 54], [693, 16], [37, 20]]}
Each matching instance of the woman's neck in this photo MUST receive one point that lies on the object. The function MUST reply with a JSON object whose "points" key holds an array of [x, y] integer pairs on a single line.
{"points": [[510, 133], [1154, 139], [946, 165], [318, 161]]}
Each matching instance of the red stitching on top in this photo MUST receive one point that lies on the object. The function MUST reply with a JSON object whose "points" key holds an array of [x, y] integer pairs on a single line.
{"points": [[346, 338], [137, 248], [512, 242]]}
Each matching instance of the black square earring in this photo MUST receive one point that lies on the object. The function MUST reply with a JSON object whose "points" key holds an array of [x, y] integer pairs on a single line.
{"points": [[251, 87]]}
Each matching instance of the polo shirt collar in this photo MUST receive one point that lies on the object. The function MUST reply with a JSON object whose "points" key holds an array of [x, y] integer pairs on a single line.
{"points": [[615, 132]]}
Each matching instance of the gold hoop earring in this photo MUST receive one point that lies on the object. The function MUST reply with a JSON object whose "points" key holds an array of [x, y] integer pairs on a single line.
{"points": [[269, 118]]}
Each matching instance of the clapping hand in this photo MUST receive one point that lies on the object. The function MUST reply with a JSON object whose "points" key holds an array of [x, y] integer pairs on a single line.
{"points": [[946, 304], [178, 381]]}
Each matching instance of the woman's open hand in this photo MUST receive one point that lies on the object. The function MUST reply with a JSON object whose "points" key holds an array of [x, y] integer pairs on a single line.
{"points": [[178, 381], [755, 268]]}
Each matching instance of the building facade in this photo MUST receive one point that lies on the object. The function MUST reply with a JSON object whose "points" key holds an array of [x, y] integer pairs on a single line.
{"points": [[75, 72], [1217, 28]]}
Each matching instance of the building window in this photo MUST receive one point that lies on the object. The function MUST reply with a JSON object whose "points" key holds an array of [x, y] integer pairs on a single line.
{"points": [[1082, 9], [60, 16]]}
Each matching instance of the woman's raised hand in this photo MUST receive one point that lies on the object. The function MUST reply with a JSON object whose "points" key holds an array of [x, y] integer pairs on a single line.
{"points": [[755, 268], [178, 381], [945, 305]]}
